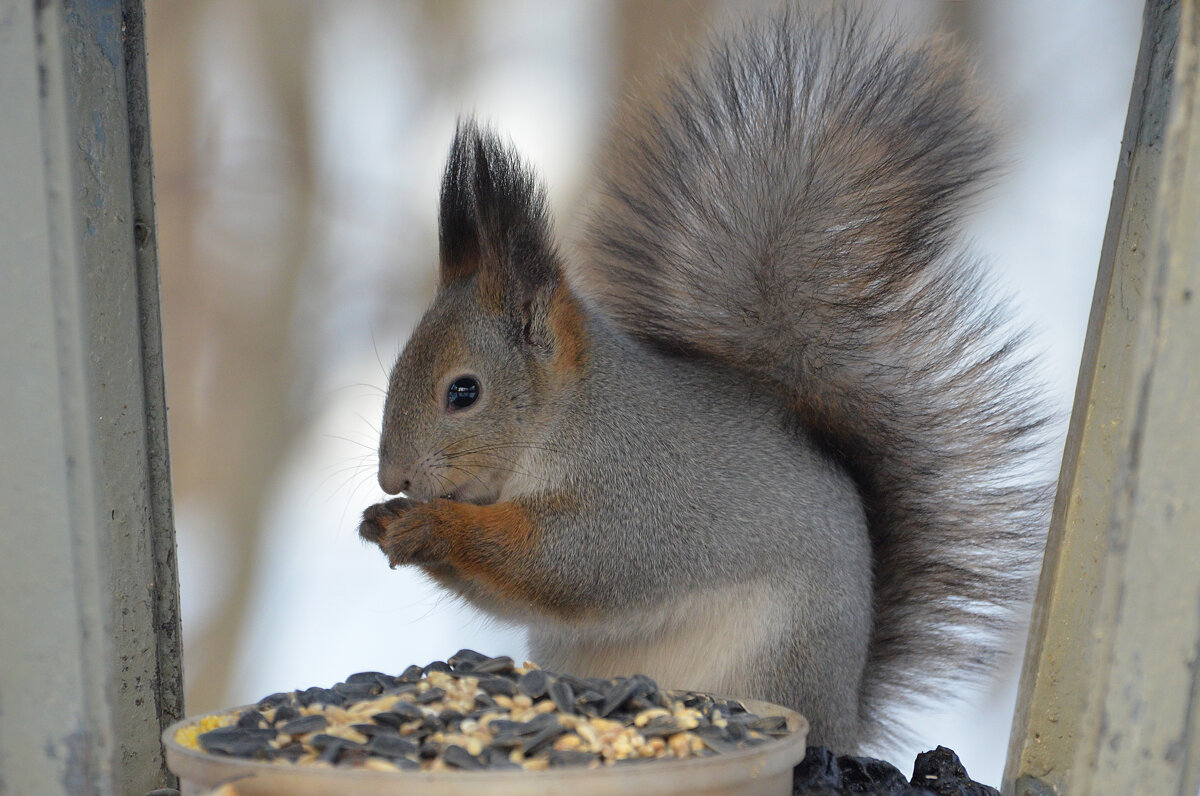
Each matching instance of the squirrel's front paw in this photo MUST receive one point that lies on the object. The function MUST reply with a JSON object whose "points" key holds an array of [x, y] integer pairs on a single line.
{"points": [[403, 529], [377, 518]]}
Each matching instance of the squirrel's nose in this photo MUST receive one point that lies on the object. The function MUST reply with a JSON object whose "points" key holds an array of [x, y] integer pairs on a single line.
{"points": [[393, 480]]}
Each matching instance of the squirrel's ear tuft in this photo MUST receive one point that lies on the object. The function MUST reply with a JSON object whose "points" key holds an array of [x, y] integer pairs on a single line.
{"points": [[494, 221]]}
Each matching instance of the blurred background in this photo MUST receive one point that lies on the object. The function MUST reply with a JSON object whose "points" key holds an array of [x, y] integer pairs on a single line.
{"points": [[298, 151]]}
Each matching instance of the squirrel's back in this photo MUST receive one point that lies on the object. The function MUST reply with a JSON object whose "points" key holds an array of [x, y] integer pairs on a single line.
{"points": [[789, 212]]}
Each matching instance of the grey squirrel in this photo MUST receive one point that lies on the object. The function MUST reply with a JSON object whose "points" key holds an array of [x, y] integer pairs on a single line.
{"points": [[766, 435]]}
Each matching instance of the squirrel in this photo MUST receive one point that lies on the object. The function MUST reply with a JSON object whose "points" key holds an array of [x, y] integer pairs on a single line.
{"points": [[766, 433]]}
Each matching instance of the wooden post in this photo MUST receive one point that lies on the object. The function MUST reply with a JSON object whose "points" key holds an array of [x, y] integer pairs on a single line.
{"points": [[1110, 692], [89, 623]]}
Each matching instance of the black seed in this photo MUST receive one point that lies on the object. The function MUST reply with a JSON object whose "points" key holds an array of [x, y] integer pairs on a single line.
{"points": [[358, 691], [505, 726], [313, 723], [660, 727], [457, 757], [418, 736], [402, 688], [620, 693], [543, 738], [319, 696], [568, 757], [391, 746], [330, 753], [236, 741], [505, 742], [387, 681], [406, 764], [533, 683], [321, 741], [407, 711], [450, 719], [252, 718], [576, 683], [412, 674], [732, 707], [483, 702], [500, 685], [428, 750], [563, 696], [284, 714], [371, 730], [538, 724], [436, 666], [370, 678], [589, 703], [500, 665], [388, 719], [648, 682], [274, 701], [466, 658], [432, 695]]}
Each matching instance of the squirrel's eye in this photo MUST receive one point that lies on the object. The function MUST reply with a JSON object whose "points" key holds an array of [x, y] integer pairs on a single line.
{"points": [[462, 393]]}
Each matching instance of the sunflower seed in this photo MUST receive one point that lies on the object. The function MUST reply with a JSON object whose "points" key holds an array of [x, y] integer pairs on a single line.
{"points": [[563, 696], [274, 700], [252, 718], [432, 695], [412, 674], [391, 746], [457, 757], [466, 660], [236, 741], [501, 665], [304, 724], [285, 714]]}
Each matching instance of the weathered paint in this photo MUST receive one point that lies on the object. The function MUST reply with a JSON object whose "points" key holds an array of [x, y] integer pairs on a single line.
{"points": [[1108, 700], [88, 590]]}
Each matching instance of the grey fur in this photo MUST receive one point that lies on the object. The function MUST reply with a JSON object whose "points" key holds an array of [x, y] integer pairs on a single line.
{"points": [[790, 212], [787, 466]]}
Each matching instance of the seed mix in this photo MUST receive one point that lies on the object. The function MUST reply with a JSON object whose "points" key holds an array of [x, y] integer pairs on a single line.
{"points": [[475, 713]]}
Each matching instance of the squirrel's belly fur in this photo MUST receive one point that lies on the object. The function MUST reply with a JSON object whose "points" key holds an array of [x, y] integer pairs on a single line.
{"points": [[705, 639]]}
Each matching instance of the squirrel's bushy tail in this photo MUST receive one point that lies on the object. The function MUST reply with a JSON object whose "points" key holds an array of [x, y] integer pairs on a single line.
{"points": [[790, 210]]}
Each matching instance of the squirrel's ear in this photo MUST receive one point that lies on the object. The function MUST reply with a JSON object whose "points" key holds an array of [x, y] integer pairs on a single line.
{"points": [[495, 224]]}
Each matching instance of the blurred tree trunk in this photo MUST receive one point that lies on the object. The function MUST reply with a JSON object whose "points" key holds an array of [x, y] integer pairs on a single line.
{"points": [[232, 273]]}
